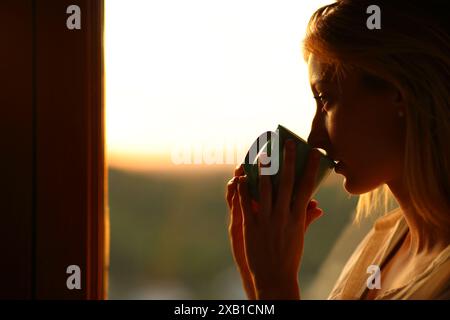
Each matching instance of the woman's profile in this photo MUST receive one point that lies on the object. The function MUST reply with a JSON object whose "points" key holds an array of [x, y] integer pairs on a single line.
{"points": [[383, 114]]}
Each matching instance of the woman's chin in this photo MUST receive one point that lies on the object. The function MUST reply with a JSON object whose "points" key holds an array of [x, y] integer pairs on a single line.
{"points": [[351, 183], [350, 188], [347, 183], [353, 187]]}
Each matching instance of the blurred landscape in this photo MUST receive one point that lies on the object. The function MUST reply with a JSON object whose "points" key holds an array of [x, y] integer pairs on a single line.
{"points": [[169, 236]]}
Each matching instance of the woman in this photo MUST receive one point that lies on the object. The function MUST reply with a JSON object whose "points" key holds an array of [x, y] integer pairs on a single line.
{"points": [[383, 113]]}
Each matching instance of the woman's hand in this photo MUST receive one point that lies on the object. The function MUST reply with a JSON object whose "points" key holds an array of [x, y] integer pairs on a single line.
{"points": [[236, 234], [267, 237], [274, 230]]}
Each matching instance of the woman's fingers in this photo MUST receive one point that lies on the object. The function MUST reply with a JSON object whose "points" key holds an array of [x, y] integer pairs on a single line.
{"points": [[231, 190], [312, 215], [287, 178], [239, 171], [236, 215], [312, 204], [245, 201], [237, 242], [232, 184], [313, 212], [306, 185], [265, 191]]}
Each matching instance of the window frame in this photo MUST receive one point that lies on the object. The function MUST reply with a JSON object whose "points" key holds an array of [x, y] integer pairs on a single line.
{"points": [[54, 135]]}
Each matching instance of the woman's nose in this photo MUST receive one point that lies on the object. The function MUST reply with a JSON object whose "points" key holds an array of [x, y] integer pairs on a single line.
{"points": [[313, 140], [318, 136]]}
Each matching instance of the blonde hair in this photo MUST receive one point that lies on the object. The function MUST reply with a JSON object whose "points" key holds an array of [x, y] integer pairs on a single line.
{"points": [[410, 52]]}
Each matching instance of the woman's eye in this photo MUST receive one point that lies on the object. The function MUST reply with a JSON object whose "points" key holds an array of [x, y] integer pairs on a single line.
{"points": [[323, 99]]}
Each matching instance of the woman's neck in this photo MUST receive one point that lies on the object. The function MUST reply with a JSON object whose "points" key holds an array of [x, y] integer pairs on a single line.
{"points": [[423, 237]]}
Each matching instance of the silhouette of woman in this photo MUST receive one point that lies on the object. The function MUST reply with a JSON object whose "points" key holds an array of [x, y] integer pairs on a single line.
{"points": [[382, 112]]}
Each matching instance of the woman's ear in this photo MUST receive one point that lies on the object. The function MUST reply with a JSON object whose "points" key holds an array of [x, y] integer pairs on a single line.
{"points": [[398, 96], [398, 101]]}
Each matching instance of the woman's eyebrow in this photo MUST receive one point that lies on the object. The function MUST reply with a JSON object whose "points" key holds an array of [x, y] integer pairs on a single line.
{"points": [[320, 82]]}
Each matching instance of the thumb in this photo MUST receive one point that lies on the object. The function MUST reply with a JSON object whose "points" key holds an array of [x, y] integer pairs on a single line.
{"points": [[306, 186], [312, 215]]}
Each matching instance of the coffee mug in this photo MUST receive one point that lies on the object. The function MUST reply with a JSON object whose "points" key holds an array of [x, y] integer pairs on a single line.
{"points": [[272, 145]]}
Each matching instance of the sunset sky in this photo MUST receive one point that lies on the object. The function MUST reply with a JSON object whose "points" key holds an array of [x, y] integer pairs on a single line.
{"points": [[202, 76]]}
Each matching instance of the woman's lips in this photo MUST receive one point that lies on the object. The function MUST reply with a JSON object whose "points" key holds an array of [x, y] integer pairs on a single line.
{"points": [[338, 164], [338, 167]]}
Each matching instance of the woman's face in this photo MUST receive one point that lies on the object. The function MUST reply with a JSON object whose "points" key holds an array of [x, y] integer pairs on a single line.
{"points": [[359, 126]]}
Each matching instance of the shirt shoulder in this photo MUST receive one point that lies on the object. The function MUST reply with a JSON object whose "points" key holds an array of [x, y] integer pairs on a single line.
{"points": [[433, 283], [371, 251]]}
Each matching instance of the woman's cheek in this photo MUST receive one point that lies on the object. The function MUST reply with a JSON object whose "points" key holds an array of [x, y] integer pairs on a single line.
{"points": [[345, 136], [337, 130]]}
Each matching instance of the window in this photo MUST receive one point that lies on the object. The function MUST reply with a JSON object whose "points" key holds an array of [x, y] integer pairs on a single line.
{"points": [[189, 86]]}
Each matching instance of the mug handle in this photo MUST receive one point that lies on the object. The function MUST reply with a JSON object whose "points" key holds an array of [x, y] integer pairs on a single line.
{"points": [[250, 163]]}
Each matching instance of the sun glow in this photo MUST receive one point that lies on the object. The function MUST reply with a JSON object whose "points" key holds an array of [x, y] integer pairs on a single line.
{"points": [[205, 73]]}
